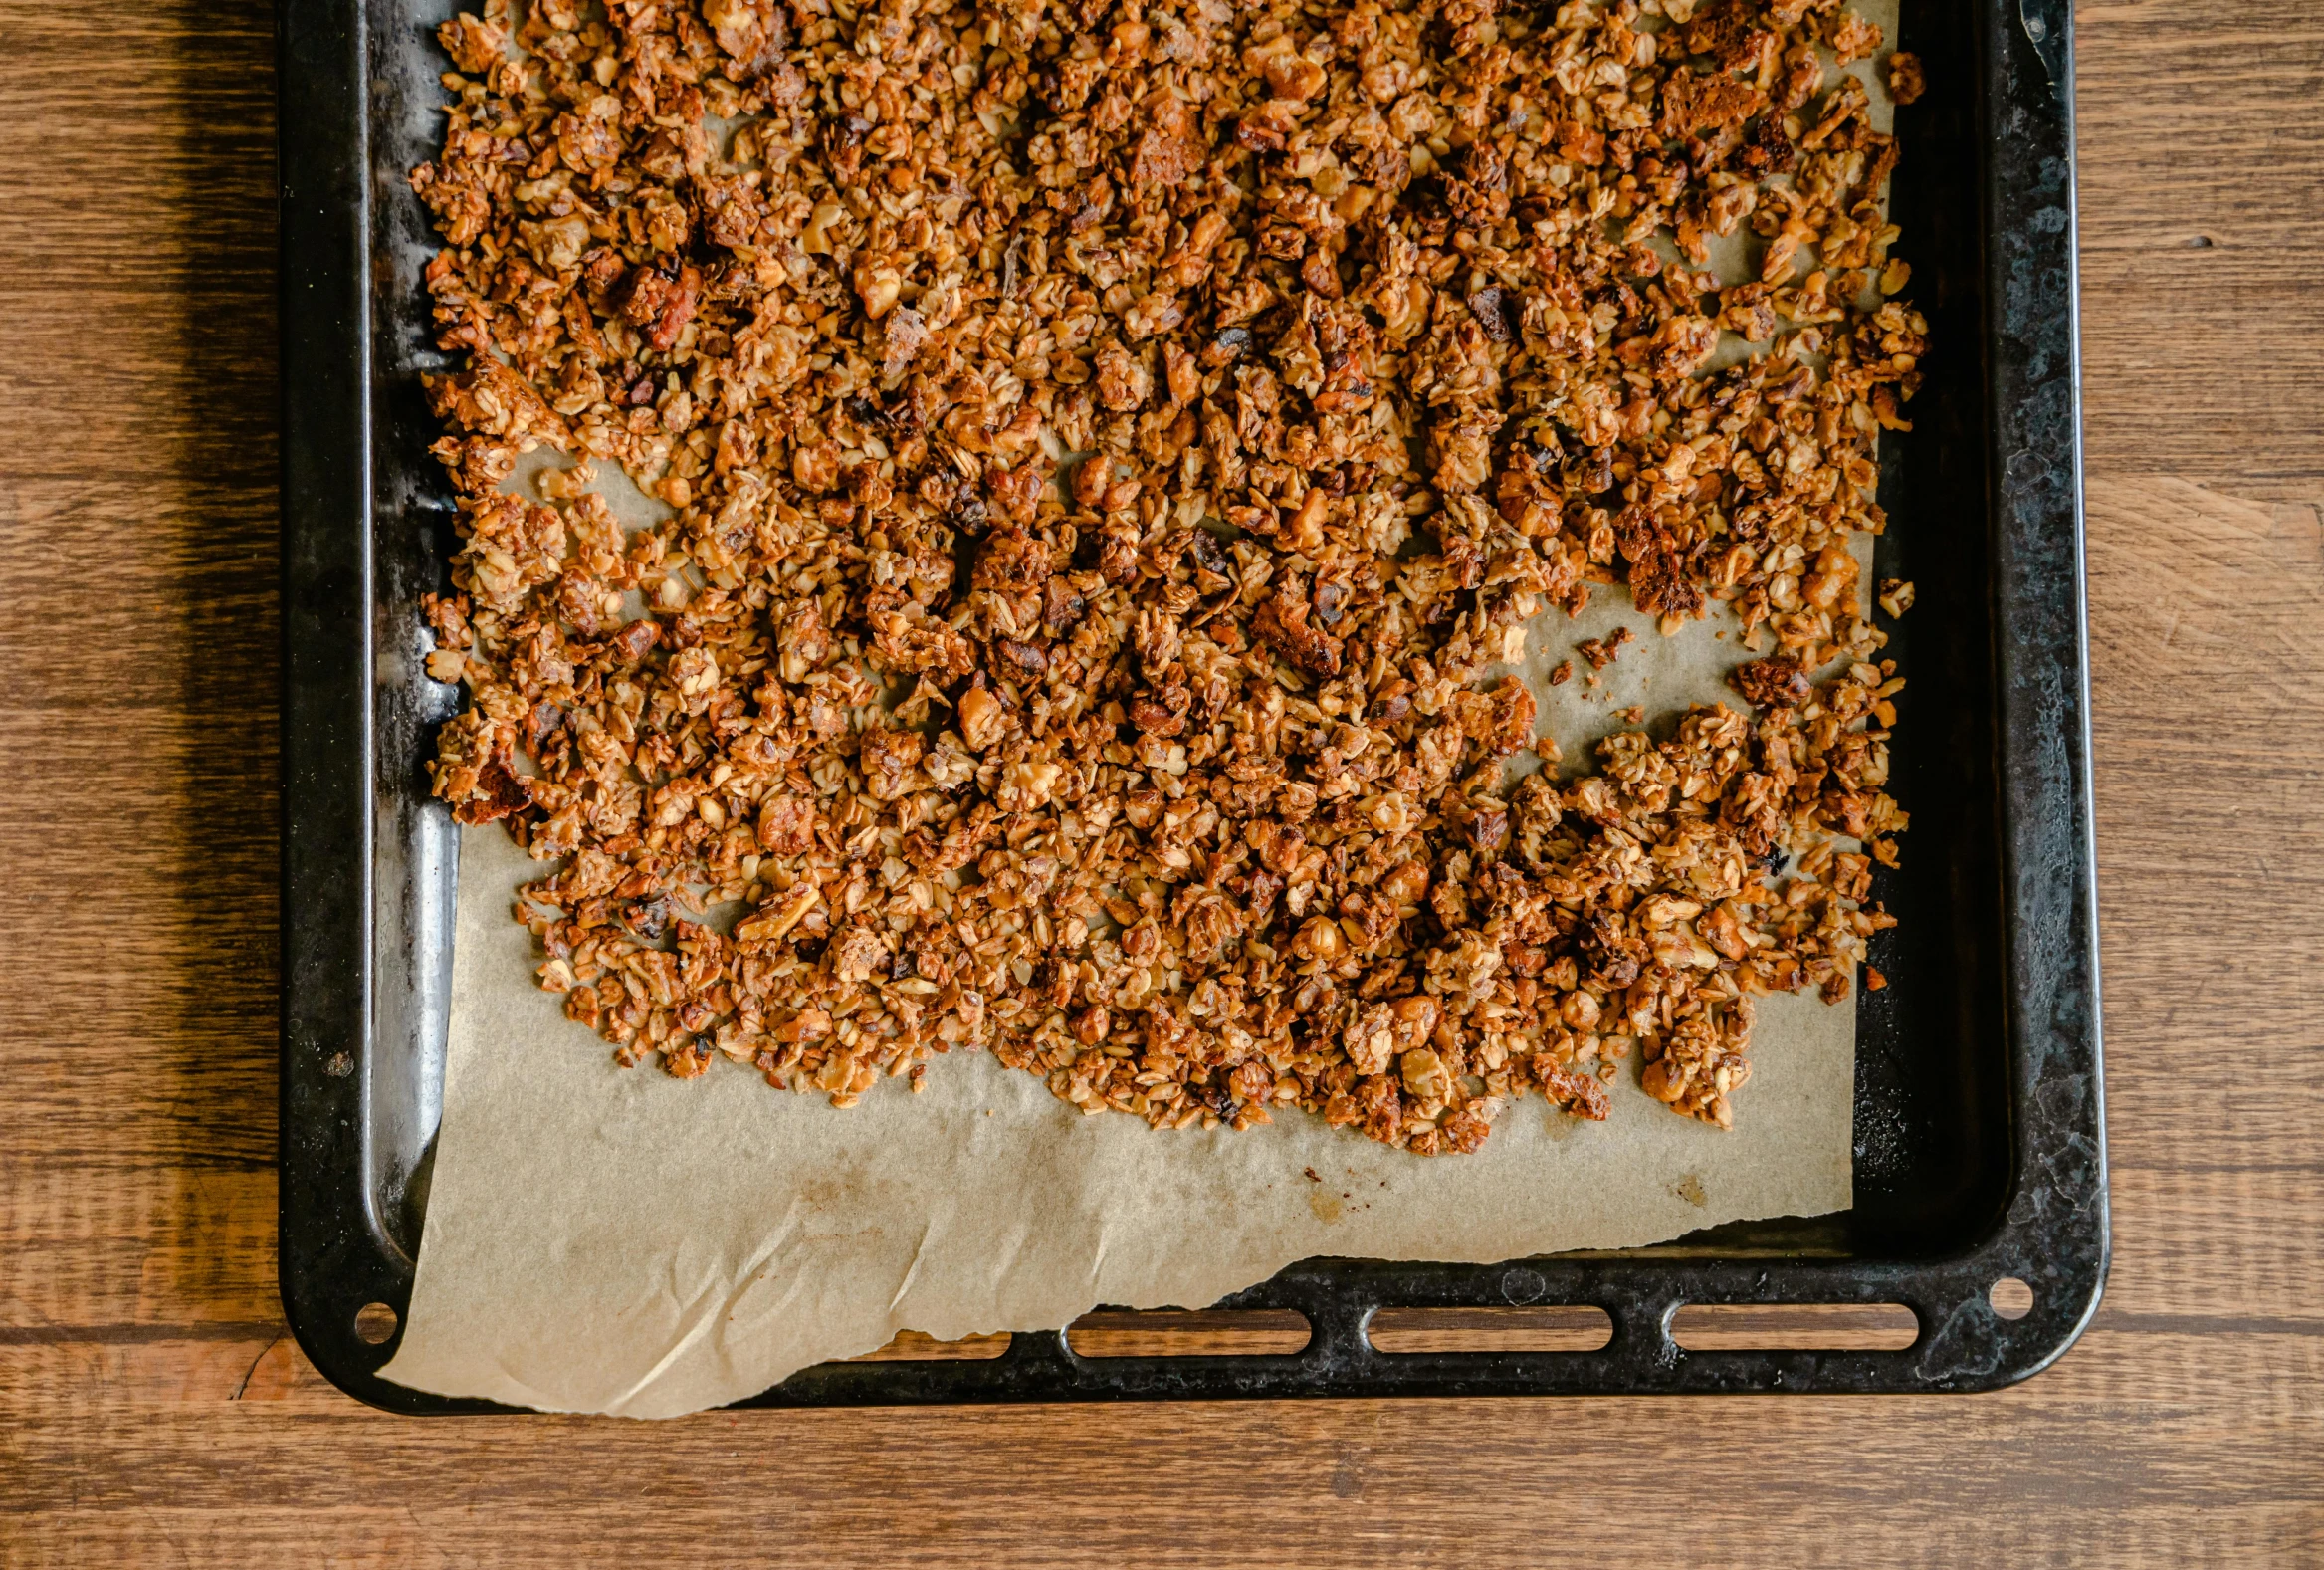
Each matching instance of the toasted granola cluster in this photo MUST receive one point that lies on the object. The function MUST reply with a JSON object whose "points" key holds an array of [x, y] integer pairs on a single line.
{"points": [[1111, 450]]}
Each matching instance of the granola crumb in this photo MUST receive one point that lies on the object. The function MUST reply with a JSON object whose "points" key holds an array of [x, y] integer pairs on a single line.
{"points": [[1897, 597], [1854, 38], [1602, 653], [1905, 81]]}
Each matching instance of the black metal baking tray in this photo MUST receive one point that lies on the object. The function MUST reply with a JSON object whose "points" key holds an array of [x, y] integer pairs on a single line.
{"points": [[1980, 1144]]}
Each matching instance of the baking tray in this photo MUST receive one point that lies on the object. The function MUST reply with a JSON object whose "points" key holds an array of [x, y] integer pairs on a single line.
{"points": [[1979, 1144]]}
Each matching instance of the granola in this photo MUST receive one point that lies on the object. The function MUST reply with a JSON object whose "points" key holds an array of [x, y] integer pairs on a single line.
{"points": [[1109, 449]]}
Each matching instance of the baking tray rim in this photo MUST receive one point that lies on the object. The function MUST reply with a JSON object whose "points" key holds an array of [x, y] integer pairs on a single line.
{"points": [[332, 1239]]}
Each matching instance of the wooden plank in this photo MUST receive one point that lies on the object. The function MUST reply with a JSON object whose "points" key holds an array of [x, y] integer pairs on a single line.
{"points": [[2196, 125], [1356, 1482]]}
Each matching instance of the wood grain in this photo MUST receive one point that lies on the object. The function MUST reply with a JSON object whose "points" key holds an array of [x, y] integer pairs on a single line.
{"points": [[151, 1410]]}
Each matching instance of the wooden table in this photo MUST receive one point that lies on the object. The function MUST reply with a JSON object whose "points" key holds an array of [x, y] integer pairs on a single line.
{"points": [[152, 1408]]}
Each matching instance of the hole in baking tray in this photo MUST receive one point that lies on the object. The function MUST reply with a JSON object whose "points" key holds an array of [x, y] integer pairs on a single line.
{"points": [[1540, 1327], [1173, 1332], [375, 1322], [2011, 1297], [1795, 1327], [910, 1346]]}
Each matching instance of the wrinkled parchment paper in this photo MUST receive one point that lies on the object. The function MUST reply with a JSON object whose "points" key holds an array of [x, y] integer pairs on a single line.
{"points": [[600, 1239]]}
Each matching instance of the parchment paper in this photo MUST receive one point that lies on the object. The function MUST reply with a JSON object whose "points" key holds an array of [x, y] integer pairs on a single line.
{"points": [[600, 1239]]}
